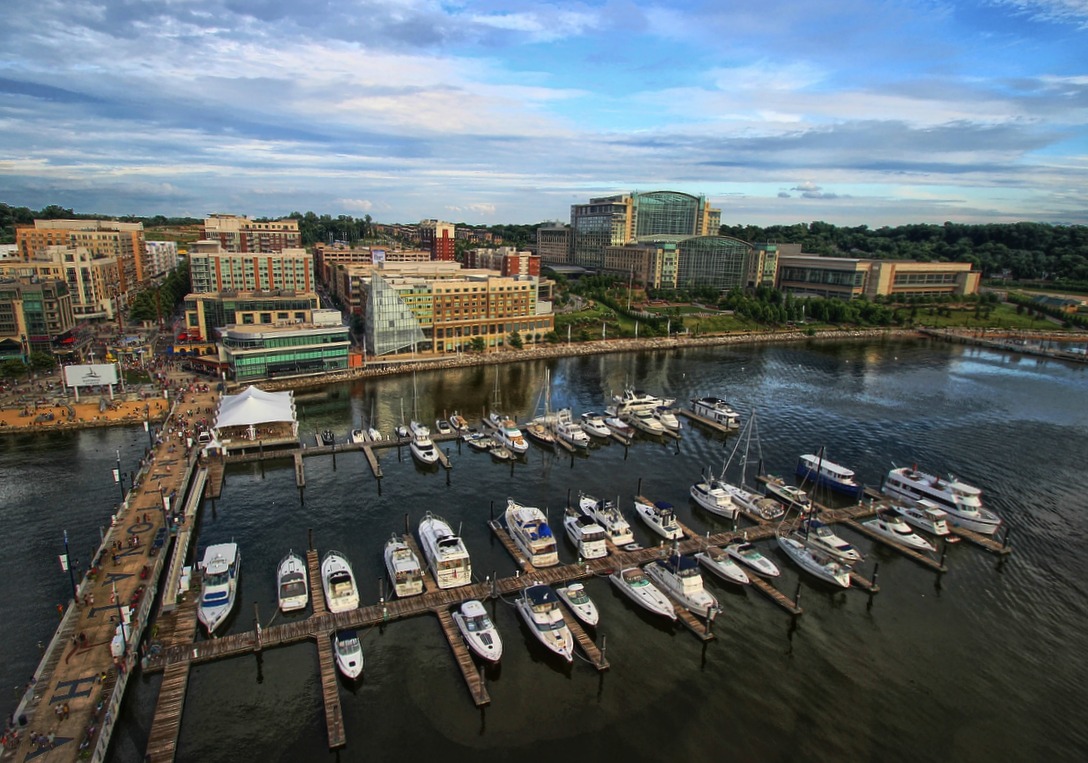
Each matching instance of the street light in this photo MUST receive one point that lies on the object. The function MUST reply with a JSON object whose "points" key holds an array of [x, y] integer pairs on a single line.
{"points": [[117, 476], [66, 563]]}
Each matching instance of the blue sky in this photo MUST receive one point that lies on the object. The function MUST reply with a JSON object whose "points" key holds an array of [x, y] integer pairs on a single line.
{"points": [[876, 112]]}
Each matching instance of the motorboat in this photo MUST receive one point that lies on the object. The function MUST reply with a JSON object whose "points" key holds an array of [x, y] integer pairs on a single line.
{"points": [[633, 583], [749, 555], [443, 427], [538, 431], [292, 583], [890, 524], [761, 506], [403, 432], [479, 632], [815, 533], [500, 452], [585, 533], [479, 441], [962, 502], [791, 495], [660, 517], [643, 420], [357, 437], [447, 557], [219, 585], [636, 399], [817, 470], [593, 424], [570, 431], [679, 577], [349, 653], [619, 427], [667, 417], [925, 515], [709, 494], [815, 562], [607, 516], [508, 434], [338, 583], [719, 562], [403, 567], [458, 422], [422, 447], [717, 410], [374, 434], [538, 606], [327, 437], [578, 602], [528, 528]]}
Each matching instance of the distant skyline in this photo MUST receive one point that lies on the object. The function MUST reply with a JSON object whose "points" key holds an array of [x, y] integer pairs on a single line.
{"points": [[779, 111]]}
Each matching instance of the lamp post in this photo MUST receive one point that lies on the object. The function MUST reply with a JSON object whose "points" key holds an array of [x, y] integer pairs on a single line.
{"points": [[117, 476], [66, 563]]}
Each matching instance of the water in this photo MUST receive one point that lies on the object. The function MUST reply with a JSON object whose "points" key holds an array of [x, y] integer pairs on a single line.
{"points": [[975, 665]]}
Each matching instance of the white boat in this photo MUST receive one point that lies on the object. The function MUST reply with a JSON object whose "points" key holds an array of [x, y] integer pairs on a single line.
{"points": [[717, 410], [660, 518], [422, 446], [962, 502], [791, 495], [667, 417], [748, 554], [709, 494], [585, 533], [458, 422], [374, 434], [357, 436], [925, 515], [643, 420], [721, 564], [679, 576], [219, 585], [607, 516], [570, 431], [479, 632], [528, 528], [815, 562], [637, 399], [447, 557], [403, 567], [820, 536], [890, 524], [508, 434], [537, 430], [633, 583], [349, 653], [816, 469], [579, 603], [618, 426], [443, 427], [593, 424], [338, 583], [292, 583], [539, 608]]}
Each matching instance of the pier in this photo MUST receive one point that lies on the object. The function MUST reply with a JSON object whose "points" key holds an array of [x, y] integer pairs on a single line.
{"points": [[705, 422]]}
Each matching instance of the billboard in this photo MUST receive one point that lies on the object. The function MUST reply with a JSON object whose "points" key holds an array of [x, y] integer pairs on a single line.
{"points": [[377, 256], [90, 375]]}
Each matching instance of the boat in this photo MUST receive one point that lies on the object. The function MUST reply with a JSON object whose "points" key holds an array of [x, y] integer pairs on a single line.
{"points": [[636, 399], [458, 422], [717, 410], [372, 431], [618, 426], [479, 632], [791, 495], [422, 446], [633, 583], [338, 583], [762, 506], [479, 441], [357, 437], [746, 500], [815, 533], [443, 427], [585, 533], [447, 557], [500, 452], [713, 497], [579, 603], [570, 431], [607, 516], [679, 577], [660, 517], [748, 554], [925, 515], [539, 608], [593, 424], [349, 653], [327, 437], [889, 524], [821, 472], [962, 502], [721, 564], [643, 420], [815, 562], [528, 528], [537, 431], [219, 585], [667, 417], [508, 434], [403, 567], [292, 583]]}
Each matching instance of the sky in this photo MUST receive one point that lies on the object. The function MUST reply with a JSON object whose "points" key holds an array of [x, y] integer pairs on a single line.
{"points": [[854, 112]]}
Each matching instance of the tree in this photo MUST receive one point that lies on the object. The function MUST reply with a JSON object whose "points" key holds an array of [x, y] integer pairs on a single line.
{"points": [[515, 340], [42, 361], [478, 344], [13, 369]]}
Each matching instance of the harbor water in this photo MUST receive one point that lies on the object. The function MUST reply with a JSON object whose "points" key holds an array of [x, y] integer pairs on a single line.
{"points": [[982, 663]]}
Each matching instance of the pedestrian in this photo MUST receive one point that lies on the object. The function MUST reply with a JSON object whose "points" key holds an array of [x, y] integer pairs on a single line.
{"points": [[82, 638], [67, 710]]}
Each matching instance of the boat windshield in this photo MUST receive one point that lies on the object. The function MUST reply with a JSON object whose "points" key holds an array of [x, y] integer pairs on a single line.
{"points": [[292, 588], [217, 578], [577, 596], [478, 623]]}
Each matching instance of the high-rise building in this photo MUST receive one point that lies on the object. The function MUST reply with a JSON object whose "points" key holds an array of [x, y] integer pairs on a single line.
{"points": [[240, 234], [505, 259], [212, 269], [162, 257], [440, 238], [101, 238], [553, 244]]}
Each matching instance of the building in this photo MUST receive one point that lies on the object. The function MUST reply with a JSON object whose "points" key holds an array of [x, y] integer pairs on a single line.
{"points": [[553, 244], [350, 282], [849, 278], [35, 316], [206, 312], [505, 259], [162, 257], [681, 262], [439, 238], [254, 352], [93, 282], [213, 269], [240, 234], [124, 242], [329, 257]]}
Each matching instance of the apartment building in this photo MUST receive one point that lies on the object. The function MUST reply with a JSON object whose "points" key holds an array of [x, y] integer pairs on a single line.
{"points": [[35, 316], [100, 238], [439, 238], [505, 259], [211, 268], [237, 233]]}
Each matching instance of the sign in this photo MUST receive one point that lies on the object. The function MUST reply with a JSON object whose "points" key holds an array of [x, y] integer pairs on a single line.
{"points": [[377, 256], [90, 375], [64, 562]]}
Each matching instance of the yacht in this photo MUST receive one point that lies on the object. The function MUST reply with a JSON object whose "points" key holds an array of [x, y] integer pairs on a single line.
{"points": [[537, 431], [579, 603], [925, 515], [443, 427], [717, 410], [447, 557], [374, 434], [479, 632], [637, 399], [721, 564], [820, 536], [660, 517], [459, 422], [585, 533], [357, 437], [609, 517], [403, 567], [539, 608], [633, 583], [819, 471], [667, 417], [618, 426], [709, 494], [528, 528], [763, 507], [508, 434], [292, 583], [570, 431], [815, 562], [643, 420], [349, 653], [593, 424], [422, 447], [500, 452], [338, 583], [679, 577], [792, 496], [962, 502], [890, 524], [219, 585], [749, 555]]}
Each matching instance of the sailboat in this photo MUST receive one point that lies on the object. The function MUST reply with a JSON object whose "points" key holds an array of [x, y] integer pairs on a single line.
{"points": [[540, 429], [743, 498], [373, 432], [506, 431]]}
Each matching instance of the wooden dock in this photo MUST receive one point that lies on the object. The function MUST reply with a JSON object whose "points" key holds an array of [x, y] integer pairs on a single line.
{"points": [[980, 540], [330, 693], [317, 590], [585, 643], [771, 592], [910, 553], [300, 470], [719, 428], [179, 629], [216, 470], [372, 459], [471, 673]]}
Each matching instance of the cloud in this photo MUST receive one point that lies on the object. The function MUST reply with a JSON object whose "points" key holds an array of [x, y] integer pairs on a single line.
{"points": [[356, 205], [1072, 12], [784, 195]]}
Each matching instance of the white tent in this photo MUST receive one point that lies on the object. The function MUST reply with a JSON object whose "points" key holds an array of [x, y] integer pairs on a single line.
{"points": [[255, 406]]}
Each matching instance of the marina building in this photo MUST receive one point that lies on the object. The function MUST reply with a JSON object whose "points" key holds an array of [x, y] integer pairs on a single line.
{"points": [[240, 234], [850, 278], [211, 268], [261, 351], [214, 310], [35, 316], [102, 239]]}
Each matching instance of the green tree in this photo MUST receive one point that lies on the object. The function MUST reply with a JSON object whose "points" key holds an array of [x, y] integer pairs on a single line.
{"points": [[478, 344], [13, 369], [42, 361], [515, 341]]}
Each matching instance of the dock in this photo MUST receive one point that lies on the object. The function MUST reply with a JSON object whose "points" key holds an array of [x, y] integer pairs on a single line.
{"points": [[703, 421], [300, 470], [771, 592], [330, 693], [372, 459], [910, 553], [177, 629], [585, 643], [982, 541], [473, 678]]}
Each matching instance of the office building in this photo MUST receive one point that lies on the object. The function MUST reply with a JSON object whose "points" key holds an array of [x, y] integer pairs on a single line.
{"points": [[204, 313], [240, 234], [553, 244], [257, 351], [849, 278]]}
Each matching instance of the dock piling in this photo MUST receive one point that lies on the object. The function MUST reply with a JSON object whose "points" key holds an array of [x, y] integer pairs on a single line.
{"points": [[876, 573], [257, 627]]}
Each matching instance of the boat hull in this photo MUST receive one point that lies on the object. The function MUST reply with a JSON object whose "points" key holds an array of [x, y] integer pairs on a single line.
{"points": [[649, 598]]}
